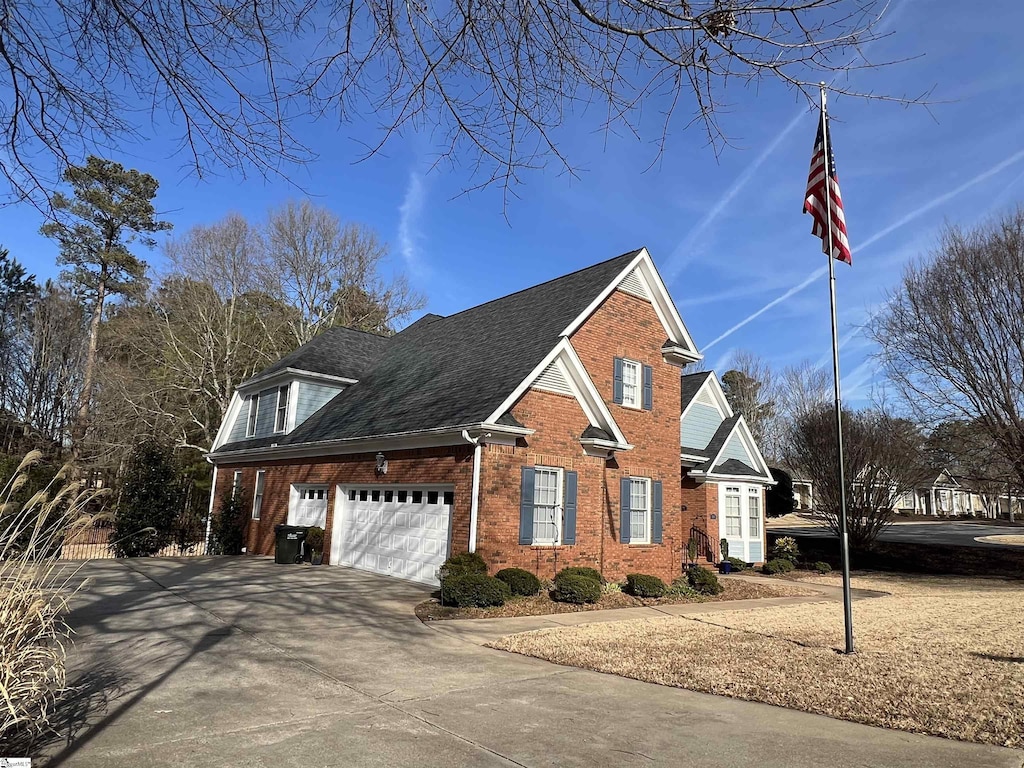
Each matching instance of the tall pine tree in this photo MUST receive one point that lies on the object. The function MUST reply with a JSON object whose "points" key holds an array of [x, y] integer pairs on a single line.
{"points": [[111, 208]]}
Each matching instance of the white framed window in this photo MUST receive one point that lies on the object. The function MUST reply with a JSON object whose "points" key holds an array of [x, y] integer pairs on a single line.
{"points": [[236, 484], [313, 494], [281, 415], [639, 510], [631, 383], [754, 511], [907, 500], [547, 505], [257, 496], [733, 521], [254, 408]]}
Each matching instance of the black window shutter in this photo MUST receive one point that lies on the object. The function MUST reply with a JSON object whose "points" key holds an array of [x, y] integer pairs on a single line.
{"points": [[617, 387], [569, 508], [656, 516], [648, 387], [526, 506], [624, 516]]}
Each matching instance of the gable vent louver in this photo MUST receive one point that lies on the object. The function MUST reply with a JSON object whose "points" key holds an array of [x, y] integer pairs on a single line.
{"points": [[632, 284], [552, 379], [705, 398]]}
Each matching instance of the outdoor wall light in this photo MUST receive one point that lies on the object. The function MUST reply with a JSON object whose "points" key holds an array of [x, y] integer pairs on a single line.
{"points": [[382, 465]]}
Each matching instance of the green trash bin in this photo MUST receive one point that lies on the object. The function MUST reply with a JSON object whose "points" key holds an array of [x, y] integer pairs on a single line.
{"points": [[290, 539]]}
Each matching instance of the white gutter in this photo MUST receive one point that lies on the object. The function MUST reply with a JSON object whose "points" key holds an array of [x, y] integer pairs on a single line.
{"points": [[474, 501], [209, 514]]}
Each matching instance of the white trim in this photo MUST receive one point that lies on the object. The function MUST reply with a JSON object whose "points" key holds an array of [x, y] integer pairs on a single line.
{"points": [[649, 523], [748, 443], [638, 385], [553, 379], [293, 406], [258, 494], [209, 512], [277, 408], [693, 458], [395, 441], [229, 419], [583, 386], [559, 507], [474, 503], [262, 381], [252, 416], [660, 300], [723, 478]]}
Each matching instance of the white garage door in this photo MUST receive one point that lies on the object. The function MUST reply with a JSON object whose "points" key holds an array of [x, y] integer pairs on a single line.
{"points": [[307, 505], [398, 531]]}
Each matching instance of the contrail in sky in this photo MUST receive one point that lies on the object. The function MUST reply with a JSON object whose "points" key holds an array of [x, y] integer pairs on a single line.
{"points": [[1014, 158], [677, 262]]}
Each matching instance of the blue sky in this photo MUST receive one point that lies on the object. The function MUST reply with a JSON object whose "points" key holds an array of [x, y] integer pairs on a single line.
{"points": [[726, 232]]}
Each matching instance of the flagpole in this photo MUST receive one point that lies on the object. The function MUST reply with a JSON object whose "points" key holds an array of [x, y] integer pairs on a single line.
{"points": [[844, 540]]}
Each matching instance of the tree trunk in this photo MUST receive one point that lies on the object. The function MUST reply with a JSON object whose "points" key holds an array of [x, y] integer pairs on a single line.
{"points": [[85, 402]]}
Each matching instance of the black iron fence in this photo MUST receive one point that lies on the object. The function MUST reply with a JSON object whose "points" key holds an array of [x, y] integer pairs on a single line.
{"points": [[186, 539]]}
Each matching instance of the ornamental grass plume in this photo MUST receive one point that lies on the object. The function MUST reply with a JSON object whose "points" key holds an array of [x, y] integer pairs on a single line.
{"points": [[35, 589]]}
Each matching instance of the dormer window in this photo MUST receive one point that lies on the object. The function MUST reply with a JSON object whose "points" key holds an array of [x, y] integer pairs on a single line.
{"points": [[281, 416], [254, 409]]}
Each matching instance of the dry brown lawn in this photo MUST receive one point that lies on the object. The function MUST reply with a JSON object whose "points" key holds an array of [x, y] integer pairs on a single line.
{"points": [[939, 655]]}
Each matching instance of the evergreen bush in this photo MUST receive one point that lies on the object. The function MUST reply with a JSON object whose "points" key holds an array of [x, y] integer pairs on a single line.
{"points": [[644, 585], [474, 590], [522, 583], [704, 581], [580, 570], [146, 517], [576, 589], [227, 530]]}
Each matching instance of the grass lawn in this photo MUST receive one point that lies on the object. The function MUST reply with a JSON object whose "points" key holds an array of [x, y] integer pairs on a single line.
{"points": [[939, 655], [432, 610]]}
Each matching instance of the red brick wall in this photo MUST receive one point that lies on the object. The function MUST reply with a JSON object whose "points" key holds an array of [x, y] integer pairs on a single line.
{"points": [[623, 326], [447, 465]]}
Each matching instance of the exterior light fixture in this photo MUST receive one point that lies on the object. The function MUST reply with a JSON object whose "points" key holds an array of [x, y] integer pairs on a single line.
{"points": [[382, 465]]}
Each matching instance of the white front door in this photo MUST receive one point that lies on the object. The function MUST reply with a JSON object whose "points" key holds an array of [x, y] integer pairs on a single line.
{"points": [[741, 520], [307, 505], [401, 531]]}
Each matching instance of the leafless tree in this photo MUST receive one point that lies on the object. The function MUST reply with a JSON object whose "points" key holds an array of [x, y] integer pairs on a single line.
{"points": [[750, 388], [329, 272], [951, 336], [493, 80], [882, 461], [174, 361]]}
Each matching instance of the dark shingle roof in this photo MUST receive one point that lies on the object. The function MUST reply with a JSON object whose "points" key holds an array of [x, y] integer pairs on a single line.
{"points": [[596, 433], [335, 352], [718, 441], [737, 467], [694, 451], [691, 385], [456, 370]]}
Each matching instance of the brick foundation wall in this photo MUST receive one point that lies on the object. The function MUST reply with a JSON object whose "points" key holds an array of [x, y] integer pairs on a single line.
{"points": [[449, 465]]}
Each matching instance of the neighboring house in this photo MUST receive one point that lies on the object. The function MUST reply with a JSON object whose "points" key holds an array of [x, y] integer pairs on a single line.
{"points": [[541, 429], [943, 494]]}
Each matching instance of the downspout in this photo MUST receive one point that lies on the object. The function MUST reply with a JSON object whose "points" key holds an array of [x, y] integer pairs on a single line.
{"points": [[474, 501], [209, 514]]}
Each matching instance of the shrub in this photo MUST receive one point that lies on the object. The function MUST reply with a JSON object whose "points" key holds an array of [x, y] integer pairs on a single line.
{"points": [[520, 582], [146, 517], [644, 585], [822, 567], [465, 562], [474, 590], [228, 525], [777, 565], [315, 539], [737, 564], [681, 588], [785, 548], [704, 581], [579, 570], [576, 589], [611, 587]]}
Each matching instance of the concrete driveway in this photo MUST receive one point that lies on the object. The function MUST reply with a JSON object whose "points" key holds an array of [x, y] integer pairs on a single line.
{"points": [[237, 661]]}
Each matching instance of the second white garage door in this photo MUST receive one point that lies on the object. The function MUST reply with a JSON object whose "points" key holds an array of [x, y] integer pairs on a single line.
{"points": [[398, 531]]}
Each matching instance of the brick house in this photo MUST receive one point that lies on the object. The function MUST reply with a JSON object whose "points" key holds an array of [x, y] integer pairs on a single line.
{"points": [[550, 427]]}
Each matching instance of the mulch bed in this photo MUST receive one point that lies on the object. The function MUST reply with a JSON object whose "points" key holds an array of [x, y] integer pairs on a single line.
{"points": [[539, 605]]}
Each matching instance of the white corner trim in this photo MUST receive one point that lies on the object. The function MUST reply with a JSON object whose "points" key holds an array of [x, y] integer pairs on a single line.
{"points": [[234, 407], [582, 385], [293, 406], [661, 300]]}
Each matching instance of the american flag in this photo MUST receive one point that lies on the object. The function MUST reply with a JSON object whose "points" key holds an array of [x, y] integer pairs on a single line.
{"points": [[814, 199]]}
